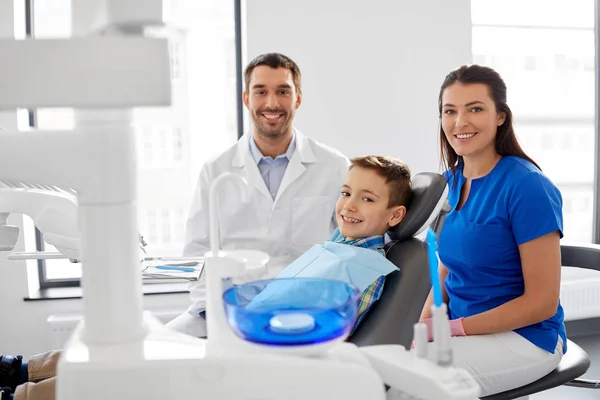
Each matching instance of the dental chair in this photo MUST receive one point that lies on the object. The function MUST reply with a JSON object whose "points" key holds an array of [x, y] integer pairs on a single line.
{"points": [[391, 319]]}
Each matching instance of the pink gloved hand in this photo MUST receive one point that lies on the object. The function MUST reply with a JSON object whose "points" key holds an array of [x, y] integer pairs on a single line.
{"points": [[456, 328]]}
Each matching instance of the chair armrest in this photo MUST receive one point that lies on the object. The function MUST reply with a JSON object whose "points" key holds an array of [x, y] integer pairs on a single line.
{"points": [[581, 255]]}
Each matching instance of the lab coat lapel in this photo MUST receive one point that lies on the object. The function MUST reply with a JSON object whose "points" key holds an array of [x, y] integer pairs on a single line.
{"points": [[243, 159], [296, 167]]}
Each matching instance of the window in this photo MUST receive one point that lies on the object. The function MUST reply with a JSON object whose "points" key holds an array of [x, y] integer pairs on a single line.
{"points": [[173, 143], [530, 63], [550, 91]]}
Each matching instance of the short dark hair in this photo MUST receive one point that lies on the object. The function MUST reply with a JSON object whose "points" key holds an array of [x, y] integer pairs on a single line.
{"points": [[274, 60], [395, 172]]}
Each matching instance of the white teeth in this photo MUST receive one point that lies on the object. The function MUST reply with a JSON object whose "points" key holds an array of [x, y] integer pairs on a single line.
{"points": [[352, 220], [465, 136], [272, 116]]}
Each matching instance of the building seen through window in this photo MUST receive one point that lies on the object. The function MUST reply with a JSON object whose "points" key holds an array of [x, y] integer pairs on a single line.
{"points": [[547, 60]]}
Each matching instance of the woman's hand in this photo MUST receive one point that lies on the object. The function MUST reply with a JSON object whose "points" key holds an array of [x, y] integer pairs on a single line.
{"points": [[456, 328]]}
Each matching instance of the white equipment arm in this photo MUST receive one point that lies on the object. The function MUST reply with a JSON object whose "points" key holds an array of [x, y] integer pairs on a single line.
{"points": [[9, 234], [104, 78], [53, 211]]}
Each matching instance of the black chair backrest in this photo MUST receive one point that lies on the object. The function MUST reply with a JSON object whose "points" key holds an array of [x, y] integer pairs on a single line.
{"points": [[580, 255], [429, 193], [391, 319]]}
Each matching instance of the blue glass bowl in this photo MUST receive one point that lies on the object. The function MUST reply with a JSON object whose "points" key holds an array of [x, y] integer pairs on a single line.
{"points": [[291, 312]]}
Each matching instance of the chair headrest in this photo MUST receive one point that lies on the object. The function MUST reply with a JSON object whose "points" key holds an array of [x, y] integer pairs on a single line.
{"points": [[429, 194]]}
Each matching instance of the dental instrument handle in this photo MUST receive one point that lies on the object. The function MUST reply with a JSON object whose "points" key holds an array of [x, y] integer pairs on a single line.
{"points": [[420, 339], [433, 267], [441, 335]]}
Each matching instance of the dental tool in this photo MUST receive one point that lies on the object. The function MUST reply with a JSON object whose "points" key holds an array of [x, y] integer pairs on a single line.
{"points": [[439, 310]]}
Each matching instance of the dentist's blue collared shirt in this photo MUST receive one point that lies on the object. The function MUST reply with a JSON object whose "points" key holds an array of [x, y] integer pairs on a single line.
{"points": [[272, 170]]}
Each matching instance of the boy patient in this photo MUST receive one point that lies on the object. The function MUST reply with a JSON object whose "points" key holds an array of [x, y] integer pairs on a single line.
{"points": [[373, 198]]}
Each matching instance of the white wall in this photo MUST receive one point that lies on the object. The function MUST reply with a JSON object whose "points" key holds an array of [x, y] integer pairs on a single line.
{"points": [[371, 69]]}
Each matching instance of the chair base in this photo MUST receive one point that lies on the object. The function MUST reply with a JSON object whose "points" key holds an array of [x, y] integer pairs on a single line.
{"points": [[584, 383]]}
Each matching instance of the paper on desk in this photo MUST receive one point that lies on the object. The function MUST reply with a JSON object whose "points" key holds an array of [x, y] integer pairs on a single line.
{"points": [[150, 270]]}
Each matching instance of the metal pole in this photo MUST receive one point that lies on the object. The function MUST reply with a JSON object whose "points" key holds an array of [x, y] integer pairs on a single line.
{"points": [[239, 86], [596, 216]]}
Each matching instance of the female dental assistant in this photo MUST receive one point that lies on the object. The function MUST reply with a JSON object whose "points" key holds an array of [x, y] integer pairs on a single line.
{"points": [[499, 247]]}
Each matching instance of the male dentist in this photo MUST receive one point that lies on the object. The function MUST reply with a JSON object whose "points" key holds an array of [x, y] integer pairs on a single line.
{"points": [[295, 183]]}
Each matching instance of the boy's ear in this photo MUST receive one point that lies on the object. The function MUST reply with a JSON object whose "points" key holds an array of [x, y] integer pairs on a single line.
{"points": [[398, 214]]}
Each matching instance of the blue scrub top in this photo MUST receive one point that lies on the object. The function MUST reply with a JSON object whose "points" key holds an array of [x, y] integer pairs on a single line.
{"points": [[513, 204]]}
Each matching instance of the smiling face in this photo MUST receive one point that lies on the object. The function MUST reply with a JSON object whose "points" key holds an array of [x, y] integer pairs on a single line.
{"points": [[362, 209], [272, 100], [469, 119]]}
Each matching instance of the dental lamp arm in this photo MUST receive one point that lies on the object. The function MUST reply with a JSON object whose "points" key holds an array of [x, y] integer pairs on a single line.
{"points": [[202, 228], [219, 268], [53, 211], [242, 183], [9, 234], [197, 227]]}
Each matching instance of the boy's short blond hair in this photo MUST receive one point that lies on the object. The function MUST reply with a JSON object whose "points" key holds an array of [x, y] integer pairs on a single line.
{"points": [[395, 172]]}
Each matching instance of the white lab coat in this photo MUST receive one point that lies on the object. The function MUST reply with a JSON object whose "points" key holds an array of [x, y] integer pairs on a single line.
{"points": [[301, 215]]}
